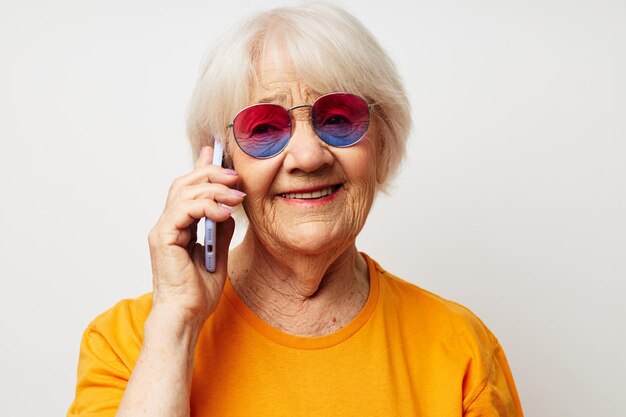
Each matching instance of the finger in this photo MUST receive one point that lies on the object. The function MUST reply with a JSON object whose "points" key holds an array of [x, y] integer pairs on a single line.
{"points": [[173, 228], [217, 192], [204, 174], [205, 157], [188, 211]]}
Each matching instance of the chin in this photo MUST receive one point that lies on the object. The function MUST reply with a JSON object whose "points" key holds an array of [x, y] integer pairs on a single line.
{"points": [[311, 239]]}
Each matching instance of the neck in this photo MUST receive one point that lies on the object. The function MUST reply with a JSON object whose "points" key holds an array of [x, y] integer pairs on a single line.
{"points": [[301, 294]]}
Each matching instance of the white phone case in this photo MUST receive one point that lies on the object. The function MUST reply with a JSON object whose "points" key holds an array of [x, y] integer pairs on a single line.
{"points": [[210, 239]]}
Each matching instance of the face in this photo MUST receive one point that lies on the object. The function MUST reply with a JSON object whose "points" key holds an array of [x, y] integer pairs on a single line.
{"points": [[311, 197]]}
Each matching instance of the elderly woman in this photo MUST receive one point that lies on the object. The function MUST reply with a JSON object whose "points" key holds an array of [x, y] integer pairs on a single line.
{"points": [[294, 321]]}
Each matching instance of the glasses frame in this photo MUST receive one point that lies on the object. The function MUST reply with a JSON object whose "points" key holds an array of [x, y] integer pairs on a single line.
{"points": [[370, 106]]}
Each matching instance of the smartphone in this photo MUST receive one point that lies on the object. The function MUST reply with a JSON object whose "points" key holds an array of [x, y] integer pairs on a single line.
{"points": [[210, 238]]}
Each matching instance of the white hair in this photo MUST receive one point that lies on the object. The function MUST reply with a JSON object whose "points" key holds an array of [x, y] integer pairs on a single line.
{"points": [[330, 50]]}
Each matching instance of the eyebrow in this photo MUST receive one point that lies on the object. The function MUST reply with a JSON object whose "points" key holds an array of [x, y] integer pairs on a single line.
{"points": [[274, 98]]}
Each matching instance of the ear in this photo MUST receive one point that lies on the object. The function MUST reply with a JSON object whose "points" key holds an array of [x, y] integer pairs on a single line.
{"points": [[381, 157]]}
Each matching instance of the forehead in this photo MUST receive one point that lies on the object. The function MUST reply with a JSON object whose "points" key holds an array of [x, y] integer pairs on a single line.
{"points": [[279, 81]]}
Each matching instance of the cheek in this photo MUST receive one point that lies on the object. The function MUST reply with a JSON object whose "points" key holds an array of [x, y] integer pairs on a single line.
{"points": [[255, 179], [255, 175], [378, 151], [361, 188], [360, 166], [361, 193]]}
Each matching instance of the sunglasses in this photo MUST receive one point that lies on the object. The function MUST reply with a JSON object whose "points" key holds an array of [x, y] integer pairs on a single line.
{"points": [[339, 119]]}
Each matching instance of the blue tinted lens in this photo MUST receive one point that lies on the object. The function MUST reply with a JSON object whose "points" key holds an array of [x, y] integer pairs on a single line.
{"points": [[340, 119]]}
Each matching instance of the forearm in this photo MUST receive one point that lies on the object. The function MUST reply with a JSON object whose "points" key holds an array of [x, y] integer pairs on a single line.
{"points": [[160, 383]]}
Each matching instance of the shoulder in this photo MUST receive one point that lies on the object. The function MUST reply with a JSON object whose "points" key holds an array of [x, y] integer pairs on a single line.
{"points": [[448, 336], [108, 352], [432, 315], [129, 313], [119, 329]]}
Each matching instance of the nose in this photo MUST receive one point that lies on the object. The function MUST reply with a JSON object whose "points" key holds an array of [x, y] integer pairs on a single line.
{"points": [[306, 151]]}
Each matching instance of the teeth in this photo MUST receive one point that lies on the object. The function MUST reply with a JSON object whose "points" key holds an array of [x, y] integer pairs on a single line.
{"points": [[309, 196]]}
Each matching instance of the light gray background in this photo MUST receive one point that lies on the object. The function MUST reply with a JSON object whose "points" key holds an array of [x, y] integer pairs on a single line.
{"points": [[511, 201]]}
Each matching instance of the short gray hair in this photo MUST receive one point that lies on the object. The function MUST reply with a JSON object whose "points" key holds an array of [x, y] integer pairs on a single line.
{"points": [[331, 51]]}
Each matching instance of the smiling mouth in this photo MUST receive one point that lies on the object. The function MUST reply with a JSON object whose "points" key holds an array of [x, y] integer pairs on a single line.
{"points": [[313, 195]]}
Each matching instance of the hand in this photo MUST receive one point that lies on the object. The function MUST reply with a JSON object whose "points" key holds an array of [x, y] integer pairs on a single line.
{"points": [[181, 283]]}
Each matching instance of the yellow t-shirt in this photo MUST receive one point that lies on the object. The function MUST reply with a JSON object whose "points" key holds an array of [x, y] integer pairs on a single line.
{"points": [[407, 353]]}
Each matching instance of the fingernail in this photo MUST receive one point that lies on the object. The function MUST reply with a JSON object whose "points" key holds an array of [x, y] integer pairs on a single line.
{"points": [[226, 208], [237, 192], [229, 171]]}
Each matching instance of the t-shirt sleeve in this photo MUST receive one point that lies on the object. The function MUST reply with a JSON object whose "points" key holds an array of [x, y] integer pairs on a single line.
{"points": [[498, 396], [101, 379], [109, 350]]}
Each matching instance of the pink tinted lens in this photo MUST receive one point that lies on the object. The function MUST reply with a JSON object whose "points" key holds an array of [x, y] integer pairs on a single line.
{"points": [[262, 130], [340, 119]]}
